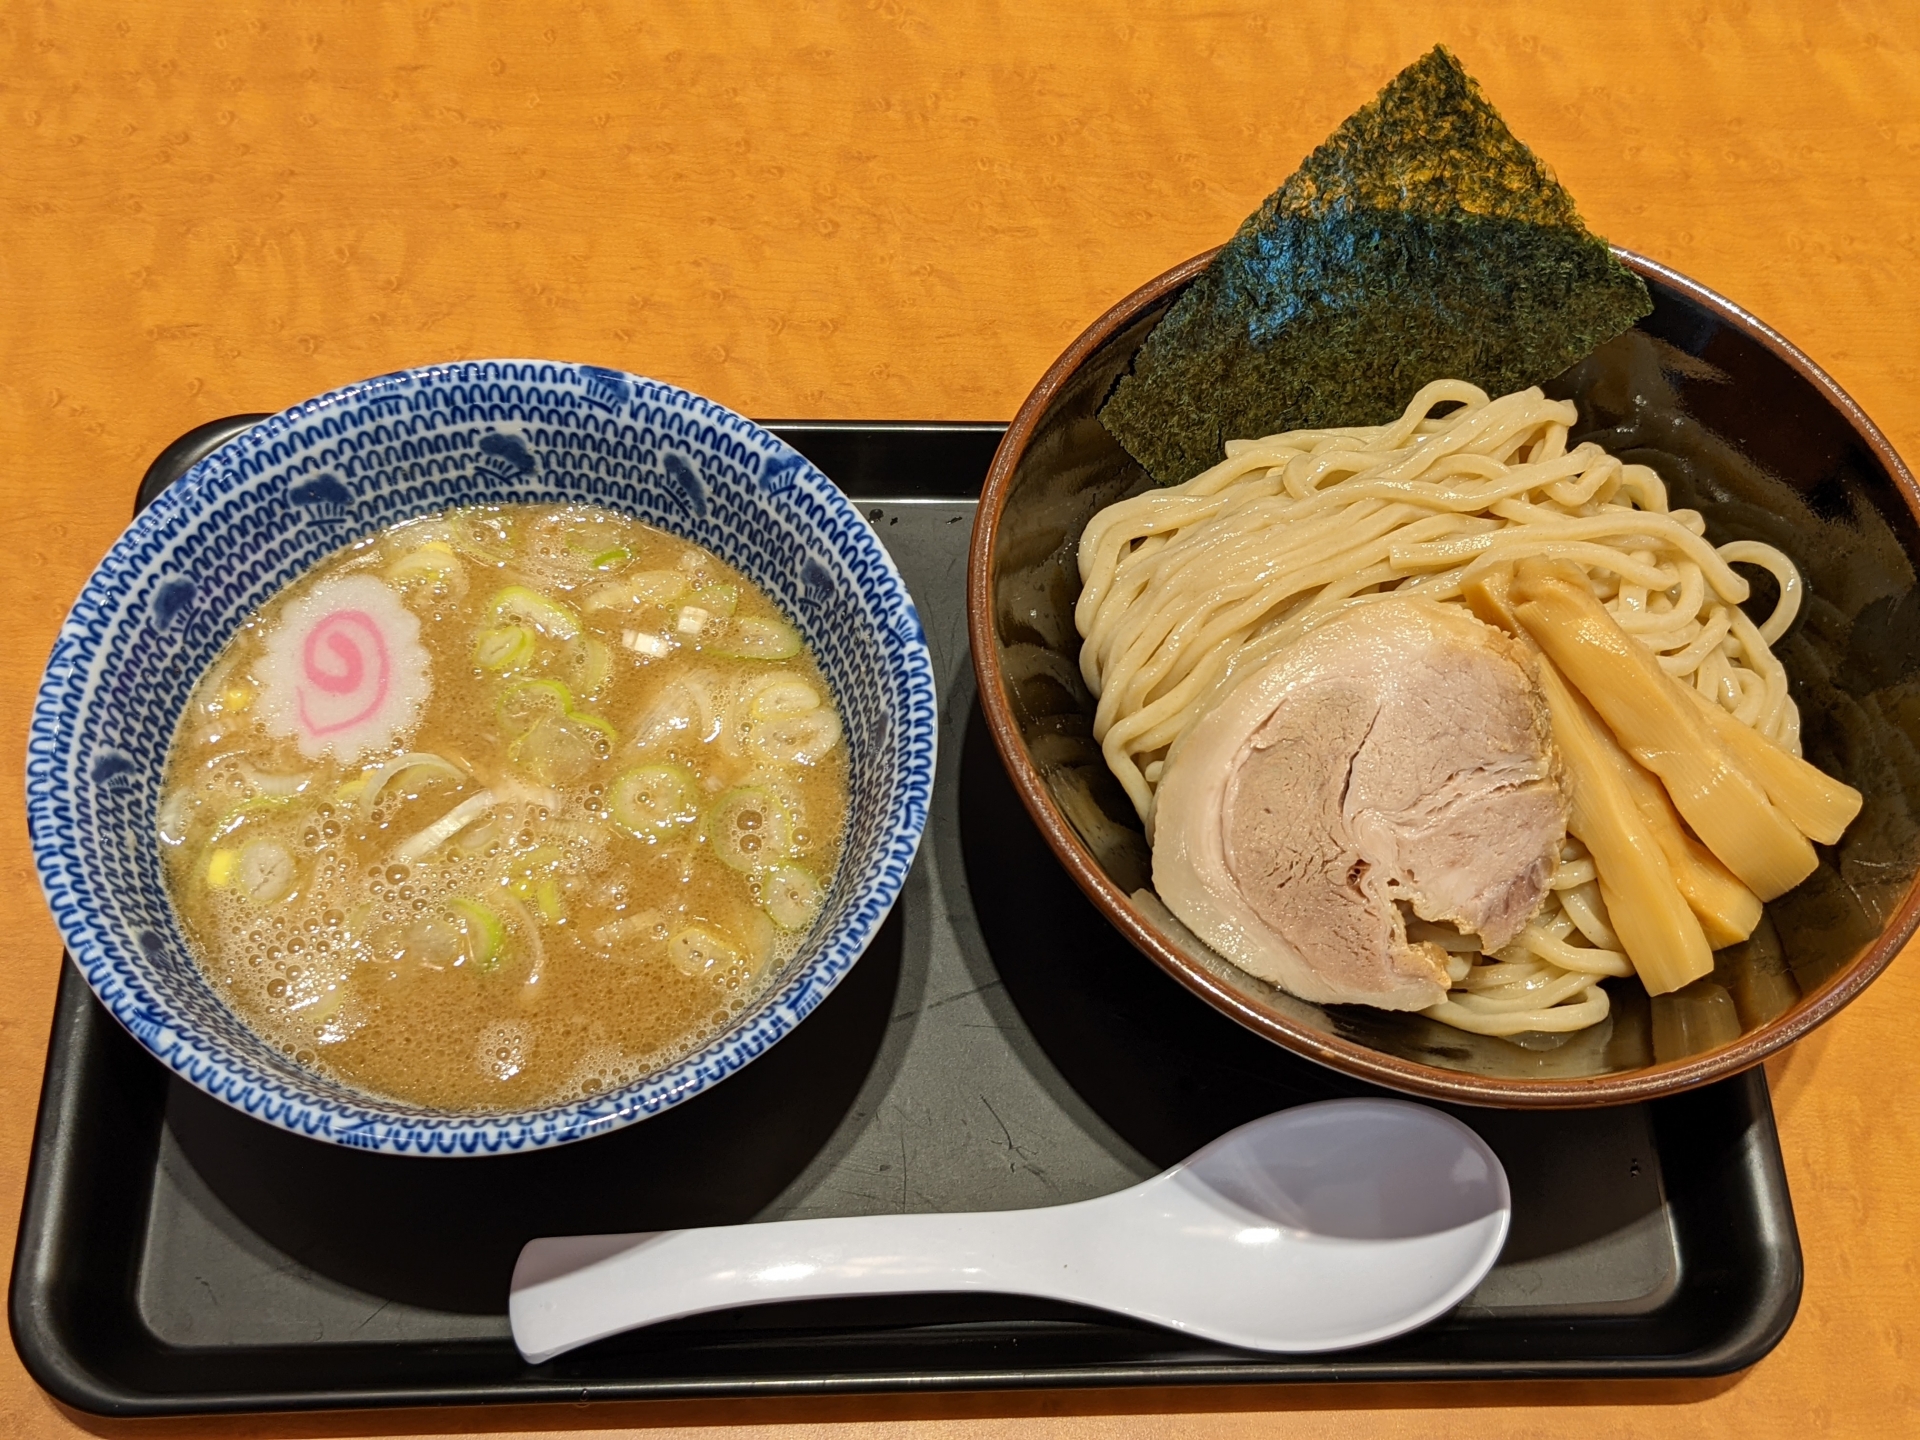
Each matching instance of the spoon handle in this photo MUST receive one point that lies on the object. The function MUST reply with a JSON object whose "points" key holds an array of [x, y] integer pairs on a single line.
{"points": [[571, 1290]]}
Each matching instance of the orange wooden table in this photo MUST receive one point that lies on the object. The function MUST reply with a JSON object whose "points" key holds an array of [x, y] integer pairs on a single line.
{"points": [[897, 209]]}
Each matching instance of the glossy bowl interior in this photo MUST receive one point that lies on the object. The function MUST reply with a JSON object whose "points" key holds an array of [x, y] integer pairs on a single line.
{"points": [[1742, 427], [266, 507]]}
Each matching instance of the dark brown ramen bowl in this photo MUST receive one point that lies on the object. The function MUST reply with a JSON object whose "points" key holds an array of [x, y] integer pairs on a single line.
{"points": [[1745, 429]]}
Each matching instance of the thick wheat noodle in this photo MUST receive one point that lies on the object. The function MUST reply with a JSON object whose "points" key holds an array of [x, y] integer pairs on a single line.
{"points": [[1224, 615], [1185, 586], [1221, 620], [1136, 678], [1159, 631]]}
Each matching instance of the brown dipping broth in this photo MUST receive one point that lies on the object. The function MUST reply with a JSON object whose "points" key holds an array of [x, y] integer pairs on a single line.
{"points": [[669, 794]]}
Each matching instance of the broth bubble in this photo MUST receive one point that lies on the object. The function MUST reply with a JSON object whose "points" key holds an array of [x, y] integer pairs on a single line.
{"points": [[503, 1049]]}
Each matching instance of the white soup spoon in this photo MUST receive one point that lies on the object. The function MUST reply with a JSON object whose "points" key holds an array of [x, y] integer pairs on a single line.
{"points": [[1317, 1228]]}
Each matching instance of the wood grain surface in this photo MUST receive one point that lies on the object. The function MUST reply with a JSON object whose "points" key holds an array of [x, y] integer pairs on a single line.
{"points": [[897, 209]]}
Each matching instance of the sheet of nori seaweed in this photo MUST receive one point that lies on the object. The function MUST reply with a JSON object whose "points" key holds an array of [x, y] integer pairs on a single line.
{"points": [[1421, 240]]}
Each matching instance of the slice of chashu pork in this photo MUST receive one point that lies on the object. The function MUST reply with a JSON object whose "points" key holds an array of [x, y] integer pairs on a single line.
{"points": [[1398, 754]]}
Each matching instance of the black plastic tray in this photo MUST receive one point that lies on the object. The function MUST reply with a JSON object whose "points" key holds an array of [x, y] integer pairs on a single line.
{"points": [[997, 1046]]}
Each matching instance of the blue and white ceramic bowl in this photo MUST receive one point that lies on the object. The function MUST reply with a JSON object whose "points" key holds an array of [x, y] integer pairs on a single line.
{"points": [[266, 507]]}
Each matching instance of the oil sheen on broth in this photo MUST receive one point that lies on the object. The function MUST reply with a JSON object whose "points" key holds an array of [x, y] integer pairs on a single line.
{"points": [[504, 806]]}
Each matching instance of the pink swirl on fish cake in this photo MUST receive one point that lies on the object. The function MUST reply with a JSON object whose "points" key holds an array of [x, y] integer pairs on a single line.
{"points": [[344, 663], [343, 672]]}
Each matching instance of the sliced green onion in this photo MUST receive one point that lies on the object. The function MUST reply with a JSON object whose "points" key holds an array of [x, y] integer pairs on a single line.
{"points": [[245, 810], [550, 617], [589, 665], [476, 839], [683, 707], [433, 563], [749, 829], [525, 703], [488, 538], [560, 749], [649, 587], [654, 801], [435, 558], [696, 950], [537, 952], [485, 934], [552, 740], [791, 896], [547, 895], [265, 782], [518, 792], [797, 739], [753, 638], [446, 827], [782, 697], [435, 941], [627, 927], [263, 872], [322, 1006], [716, 599], [594, 723], [613, 559], [377, 780], [502, 648], [541, 857]]}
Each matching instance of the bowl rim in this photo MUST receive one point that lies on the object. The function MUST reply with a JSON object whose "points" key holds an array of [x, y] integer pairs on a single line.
{"points": [[1349, 1057], [362, 1121]]}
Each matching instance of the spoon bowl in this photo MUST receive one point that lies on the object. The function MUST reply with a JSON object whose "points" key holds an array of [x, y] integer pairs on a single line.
{"points": [[1317, 1228]]}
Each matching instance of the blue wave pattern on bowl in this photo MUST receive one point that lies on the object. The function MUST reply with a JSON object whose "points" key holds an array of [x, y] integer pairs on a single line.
{"points": [[268, 506]]}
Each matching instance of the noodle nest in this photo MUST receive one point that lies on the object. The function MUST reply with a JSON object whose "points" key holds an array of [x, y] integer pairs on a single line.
{"points": [[1187, 587]]}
